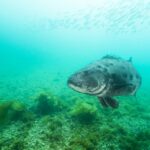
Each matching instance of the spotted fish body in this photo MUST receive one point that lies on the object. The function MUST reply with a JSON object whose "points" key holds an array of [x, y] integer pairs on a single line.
{"points": [[105, 78]]}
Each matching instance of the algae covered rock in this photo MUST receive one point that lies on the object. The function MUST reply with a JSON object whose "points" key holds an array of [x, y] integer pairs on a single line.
{"points": [[4, 111], [84, 112], [18, 106], [48, 104], [17, 110], [13, 111]]}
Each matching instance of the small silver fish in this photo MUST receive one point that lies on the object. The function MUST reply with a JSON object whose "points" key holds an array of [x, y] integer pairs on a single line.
{"points": [[105, 78]]}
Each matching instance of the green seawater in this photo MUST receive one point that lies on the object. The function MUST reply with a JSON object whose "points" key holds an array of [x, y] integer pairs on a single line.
{"points": [[41, 44]]}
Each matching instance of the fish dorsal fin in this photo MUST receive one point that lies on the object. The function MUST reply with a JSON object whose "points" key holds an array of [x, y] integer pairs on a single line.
{"points": [[130, 59], [110, 57]]}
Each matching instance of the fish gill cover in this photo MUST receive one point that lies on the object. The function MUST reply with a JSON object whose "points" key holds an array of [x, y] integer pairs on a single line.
{"points": [[42, 42]]}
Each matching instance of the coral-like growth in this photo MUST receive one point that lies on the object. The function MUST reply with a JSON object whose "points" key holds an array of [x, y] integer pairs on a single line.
{"points": [[48, 104], [84, 112]]}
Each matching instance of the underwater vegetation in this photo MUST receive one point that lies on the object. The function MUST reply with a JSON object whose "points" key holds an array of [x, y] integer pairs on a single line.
{"points": [[84, 112], [88, 140], [51, 124], [140, 141], [48, 104], [13, 111]]}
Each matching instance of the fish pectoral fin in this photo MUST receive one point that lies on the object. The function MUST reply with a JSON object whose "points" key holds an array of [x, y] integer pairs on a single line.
{"points": [[102, 101], [111, 102], [108, 101]]}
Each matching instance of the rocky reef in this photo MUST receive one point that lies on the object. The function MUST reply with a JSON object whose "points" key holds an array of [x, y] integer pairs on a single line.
{"points": [[51, 123]]}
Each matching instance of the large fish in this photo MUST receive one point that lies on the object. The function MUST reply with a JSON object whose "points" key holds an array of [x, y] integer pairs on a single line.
{"points": [[111, 76]]}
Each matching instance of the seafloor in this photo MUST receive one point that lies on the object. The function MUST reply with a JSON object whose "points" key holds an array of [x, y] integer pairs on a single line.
{"points": [[39, 112]]}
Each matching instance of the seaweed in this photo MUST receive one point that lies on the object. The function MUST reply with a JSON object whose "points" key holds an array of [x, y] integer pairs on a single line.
{"points": [[84, 112], [4, 111], [93, 136], [48, 104], [137, 141], [83, 127], [87, 141], [18, 144], [14, 111]]}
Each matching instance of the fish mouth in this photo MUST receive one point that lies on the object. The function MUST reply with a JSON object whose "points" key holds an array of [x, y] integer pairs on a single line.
{"points": [[98, 91], [102, 89], [76, 88], [73, 85]]}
